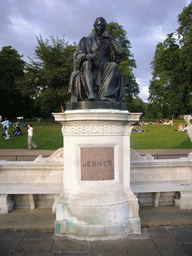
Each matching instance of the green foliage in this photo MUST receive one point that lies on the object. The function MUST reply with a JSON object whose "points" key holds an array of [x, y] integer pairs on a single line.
{"points": [[48, 77], [11, 68], [136, 105], [185, 22], [171, 84], [11, 73], [156, 111]]}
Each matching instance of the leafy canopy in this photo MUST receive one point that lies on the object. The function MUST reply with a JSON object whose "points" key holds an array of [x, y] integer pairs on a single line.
{"points": [[48, 76], [12, 68], [171, 84]]}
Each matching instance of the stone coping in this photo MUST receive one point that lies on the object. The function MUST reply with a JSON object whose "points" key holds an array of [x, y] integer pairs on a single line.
{"points": [[96, 115]]}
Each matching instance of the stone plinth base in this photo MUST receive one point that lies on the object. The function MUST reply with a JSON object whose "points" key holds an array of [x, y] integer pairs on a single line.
{"points": [[97, 216], [97, 203], [6, 204]]}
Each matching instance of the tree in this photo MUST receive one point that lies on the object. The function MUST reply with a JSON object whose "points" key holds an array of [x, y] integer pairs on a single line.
{"points": [[166, 84], [48, 76], [11, 68], [137, 105], [127, 62], [171, 84], [11, 73], [185, 34]]}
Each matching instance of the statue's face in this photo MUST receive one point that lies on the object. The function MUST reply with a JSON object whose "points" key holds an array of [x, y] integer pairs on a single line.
{"points": [[100, 27]]}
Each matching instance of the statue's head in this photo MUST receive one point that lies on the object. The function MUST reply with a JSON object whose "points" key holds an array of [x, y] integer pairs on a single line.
{"points": [[100, 26]]}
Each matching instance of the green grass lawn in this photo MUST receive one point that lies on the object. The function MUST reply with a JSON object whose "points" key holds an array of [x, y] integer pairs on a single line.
{"points": [[161, 137], [48, 136]]}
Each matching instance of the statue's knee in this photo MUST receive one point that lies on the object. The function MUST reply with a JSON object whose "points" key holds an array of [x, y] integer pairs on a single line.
{"points": [[114, 65], [87, 65]]}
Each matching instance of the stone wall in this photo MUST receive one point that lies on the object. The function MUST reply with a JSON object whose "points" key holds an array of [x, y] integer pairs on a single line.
{"points": [[44, 180]]}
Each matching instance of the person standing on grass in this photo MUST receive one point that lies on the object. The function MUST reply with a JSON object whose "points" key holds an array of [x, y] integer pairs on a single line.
{"points": [[16, 124], [30, 136], [6, 124]]}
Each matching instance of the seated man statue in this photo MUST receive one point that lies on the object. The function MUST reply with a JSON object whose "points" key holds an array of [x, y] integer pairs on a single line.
{"points": [[96, 74]]}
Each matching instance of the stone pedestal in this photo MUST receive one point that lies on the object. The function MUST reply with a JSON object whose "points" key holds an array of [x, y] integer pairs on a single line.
{"points": [[6, 204], [97, 202]]}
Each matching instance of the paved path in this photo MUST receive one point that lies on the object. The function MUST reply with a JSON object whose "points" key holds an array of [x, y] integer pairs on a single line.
{"points": [[30, 155], [23, 154], [164, 241], [44, 219], [165, 153], [34, 152], [166, 231]]}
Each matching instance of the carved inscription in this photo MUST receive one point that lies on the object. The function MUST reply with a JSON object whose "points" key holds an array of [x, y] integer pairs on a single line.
{"points": [[97, 163]]}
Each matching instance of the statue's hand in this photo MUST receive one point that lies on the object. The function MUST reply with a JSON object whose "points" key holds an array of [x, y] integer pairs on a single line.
{"points": [[91, 57], [105, 35]]}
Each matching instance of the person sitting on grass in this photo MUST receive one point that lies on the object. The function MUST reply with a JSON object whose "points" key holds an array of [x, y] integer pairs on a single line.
{"points": [[142, 123], [180, 127], [140, 129], [17, 132], [156, 122], [23, 125], [133, 129]]}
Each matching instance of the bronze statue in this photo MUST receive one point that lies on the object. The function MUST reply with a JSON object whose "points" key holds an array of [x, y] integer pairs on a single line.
{"points": [[96, 75]]}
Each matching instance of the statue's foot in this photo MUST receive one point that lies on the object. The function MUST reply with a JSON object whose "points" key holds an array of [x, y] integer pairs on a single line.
{"points": [[91, 97], [104, 99]]}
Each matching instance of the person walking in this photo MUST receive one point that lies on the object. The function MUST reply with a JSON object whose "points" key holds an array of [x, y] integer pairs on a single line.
{"points": [[30, 136], [6, 124]]}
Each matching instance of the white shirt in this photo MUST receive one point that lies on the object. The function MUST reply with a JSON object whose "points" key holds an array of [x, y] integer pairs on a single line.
{"points": [[30, 131]]}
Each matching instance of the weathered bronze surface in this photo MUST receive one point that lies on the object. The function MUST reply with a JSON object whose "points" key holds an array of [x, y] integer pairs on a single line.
{"points": [[96, 105], [96, 75]]}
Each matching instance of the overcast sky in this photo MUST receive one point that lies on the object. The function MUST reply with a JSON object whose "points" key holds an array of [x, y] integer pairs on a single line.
{"points": [[147, 22]]}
